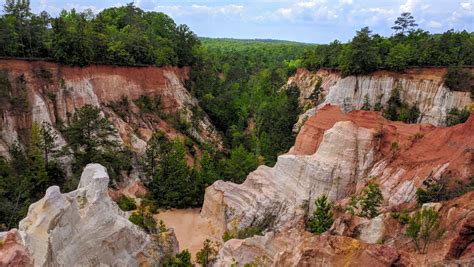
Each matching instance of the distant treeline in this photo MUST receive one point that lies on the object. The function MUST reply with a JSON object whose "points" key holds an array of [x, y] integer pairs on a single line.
{"points": [[123, 35], [408, 46]]}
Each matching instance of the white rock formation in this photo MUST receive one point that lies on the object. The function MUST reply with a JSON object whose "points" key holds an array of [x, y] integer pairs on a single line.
{"points": [[426, 90], [83, 227], [274, 196]]}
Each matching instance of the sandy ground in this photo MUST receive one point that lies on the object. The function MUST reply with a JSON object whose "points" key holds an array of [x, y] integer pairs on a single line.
{"points": [[190, 228]]}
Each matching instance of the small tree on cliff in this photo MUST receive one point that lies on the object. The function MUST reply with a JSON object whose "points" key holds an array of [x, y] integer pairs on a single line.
{"points": [[423, 228], [370, 200], [322, 216], [207, 254]]}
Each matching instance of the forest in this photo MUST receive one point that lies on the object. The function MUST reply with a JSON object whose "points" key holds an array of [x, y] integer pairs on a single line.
{"points": [[237, 83]]}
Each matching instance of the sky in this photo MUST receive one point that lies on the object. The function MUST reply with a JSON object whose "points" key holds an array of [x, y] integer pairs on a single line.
{"points": [[310, 21]]}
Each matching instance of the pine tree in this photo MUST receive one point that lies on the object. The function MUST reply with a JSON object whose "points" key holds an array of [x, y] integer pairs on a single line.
{"points": [[207, 254], [423, 228], [404, 24], [370, 200], [322, 216]]}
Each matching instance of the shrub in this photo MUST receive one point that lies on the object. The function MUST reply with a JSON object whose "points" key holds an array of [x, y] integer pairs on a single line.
{"points": [[182, 259], [249, 232], [227, 236], [207, 254], [423, 228], [322, 216], [441, 191], [366, 105], [144, 220], [148, 104], [459, 79], [402, 217], [126, 203], [456, 116]]}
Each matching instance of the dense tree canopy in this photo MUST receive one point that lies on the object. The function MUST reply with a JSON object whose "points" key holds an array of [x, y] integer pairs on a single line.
{"points": [[408, 46], [121, 35]]}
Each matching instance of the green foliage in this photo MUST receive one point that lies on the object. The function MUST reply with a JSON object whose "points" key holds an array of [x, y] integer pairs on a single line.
{"points": [[403, 217], [366, 105], [123, 35], [91, 138], [239, 165], [398, 110], [361, 55], [227, 236], [322, 218], [370, 201], [126, 203], [237, 83], [443, 190], [367, 203], [148, 104], [207, 255], [405, 23], [456, 116], [249, 232], [174, 183], [408, 47], [459, 79], [423, 228], [182, 259], [144, 220], [399, 57], [25, 177]]}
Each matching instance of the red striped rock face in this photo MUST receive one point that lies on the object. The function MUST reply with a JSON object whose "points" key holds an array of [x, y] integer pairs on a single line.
{"points": [[336, 154]]}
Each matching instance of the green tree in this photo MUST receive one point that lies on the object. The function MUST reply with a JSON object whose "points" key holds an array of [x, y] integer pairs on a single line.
{"points": [[48, 142], [37, 166], [361, 55], [238, 166], [405, 23], [156, 148], [173, 184], [207, 255], [182, 259], [72, 38], [370, 200], [423, 228], [399, 57], [322, 216]]}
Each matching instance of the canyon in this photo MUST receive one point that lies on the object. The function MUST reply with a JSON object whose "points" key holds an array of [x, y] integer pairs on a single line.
{"points": [[338, 150], [52, 93], [337, 154]]}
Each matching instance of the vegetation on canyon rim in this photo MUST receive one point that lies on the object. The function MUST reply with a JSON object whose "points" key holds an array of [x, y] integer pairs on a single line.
{"points": [[238, 86]]}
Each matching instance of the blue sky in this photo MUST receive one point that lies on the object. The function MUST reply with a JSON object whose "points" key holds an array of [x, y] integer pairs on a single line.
{"points": [[314, 21]]}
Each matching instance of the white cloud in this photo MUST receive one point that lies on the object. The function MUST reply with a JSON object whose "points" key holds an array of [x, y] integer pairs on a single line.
{"points": [[434, 24], [409, 6], [178, 10], [227, 9], [466, 6]]}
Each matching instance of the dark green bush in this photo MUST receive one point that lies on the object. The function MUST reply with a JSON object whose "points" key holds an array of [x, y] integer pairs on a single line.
{"points": [[443, 190], [459, 79], [456, 116], [249, 232], [126, 203]]}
